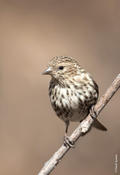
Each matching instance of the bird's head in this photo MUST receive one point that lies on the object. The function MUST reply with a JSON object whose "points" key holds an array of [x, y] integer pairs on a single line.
{"points": [[62, 67]]}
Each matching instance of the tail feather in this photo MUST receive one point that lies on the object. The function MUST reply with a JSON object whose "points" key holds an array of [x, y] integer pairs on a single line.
{"points": [[99, 125]]}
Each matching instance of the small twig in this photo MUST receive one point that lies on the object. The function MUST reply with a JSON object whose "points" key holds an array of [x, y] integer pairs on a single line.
{"points": [[82, 128]]}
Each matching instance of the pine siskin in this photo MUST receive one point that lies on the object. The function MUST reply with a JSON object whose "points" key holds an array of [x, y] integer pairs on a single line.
{"points": [[72, 91]]}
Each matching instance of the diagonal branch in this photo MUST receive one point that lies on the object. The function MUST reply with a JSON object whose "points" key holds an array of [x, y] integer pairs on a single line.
{"points": [[83, 127]]}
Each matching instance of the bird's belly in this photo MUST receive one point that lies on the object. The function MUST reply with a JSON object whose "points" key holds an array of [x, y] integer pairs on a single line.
{"points": [[69, 106]]}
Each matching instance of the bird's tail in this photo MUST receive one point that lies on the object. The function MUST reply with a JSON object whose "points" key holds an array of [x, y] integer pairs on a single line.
{"points": [[99, 125]]}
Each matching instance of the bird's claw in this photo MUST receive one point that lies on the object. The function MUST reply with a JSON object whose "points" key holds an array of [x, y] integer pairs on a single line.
{"points": [[93, 113], [68, 142]]}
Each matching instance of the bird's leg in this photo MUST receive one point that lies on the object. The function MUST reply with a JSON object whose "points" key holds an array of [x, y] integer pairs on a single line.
{"points": [[67, 124], [93, 113], [67, 141], [96, 123]]}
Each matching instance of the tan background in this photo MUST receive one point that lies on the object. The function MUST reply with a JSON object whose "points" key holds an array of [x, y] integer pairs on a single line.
{"points": [[32, 32]]}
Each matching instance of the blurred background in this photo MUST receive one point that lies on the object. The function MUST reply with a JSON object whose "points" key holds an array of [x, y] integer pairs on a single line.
{"points": [[31, 33]]}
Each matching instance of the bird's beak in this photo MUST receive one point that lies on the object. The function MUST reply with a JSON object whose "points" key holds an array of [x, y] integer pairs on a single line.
{"points": [[47, 71]]}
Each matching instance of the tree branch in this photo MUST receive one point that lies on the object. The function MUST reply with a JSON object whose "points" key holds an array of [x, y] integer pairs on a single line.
{"points": [[82, 128]]}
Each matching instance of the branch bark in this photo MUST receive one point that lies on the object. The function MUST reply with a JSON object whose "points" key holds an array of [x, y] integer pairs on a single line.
{"points": [[82, 128]]}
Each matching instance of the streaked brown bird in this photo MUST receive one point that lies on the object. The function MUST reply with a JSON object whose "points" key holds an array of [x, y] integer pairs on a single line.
{"points": [[72, 91]]}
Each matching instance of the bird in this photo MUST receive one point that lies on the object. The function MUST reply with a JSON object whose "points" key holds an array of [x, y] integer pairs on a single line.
{"points": [[72, 90]]}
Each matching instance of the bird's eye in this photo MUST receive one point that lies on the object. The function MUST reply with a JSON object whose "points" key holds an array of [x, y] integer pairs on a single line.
{"points": [[61, 67]]}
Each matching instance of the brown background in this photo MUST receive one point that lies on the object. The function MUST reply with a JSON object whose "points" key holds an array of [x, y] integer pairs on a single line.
{"points": [[31, 33]]}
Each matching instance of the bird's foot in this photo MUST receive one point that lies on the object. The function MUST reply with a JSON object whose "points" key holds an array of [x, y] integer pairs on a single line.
{"points": [[68, 142], [93, 113]]}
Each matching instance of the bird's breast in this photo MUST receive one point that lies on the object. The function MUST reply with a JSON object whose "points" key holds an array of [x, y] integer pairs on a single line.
{"points": [[64, 97], [71, 102]]}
